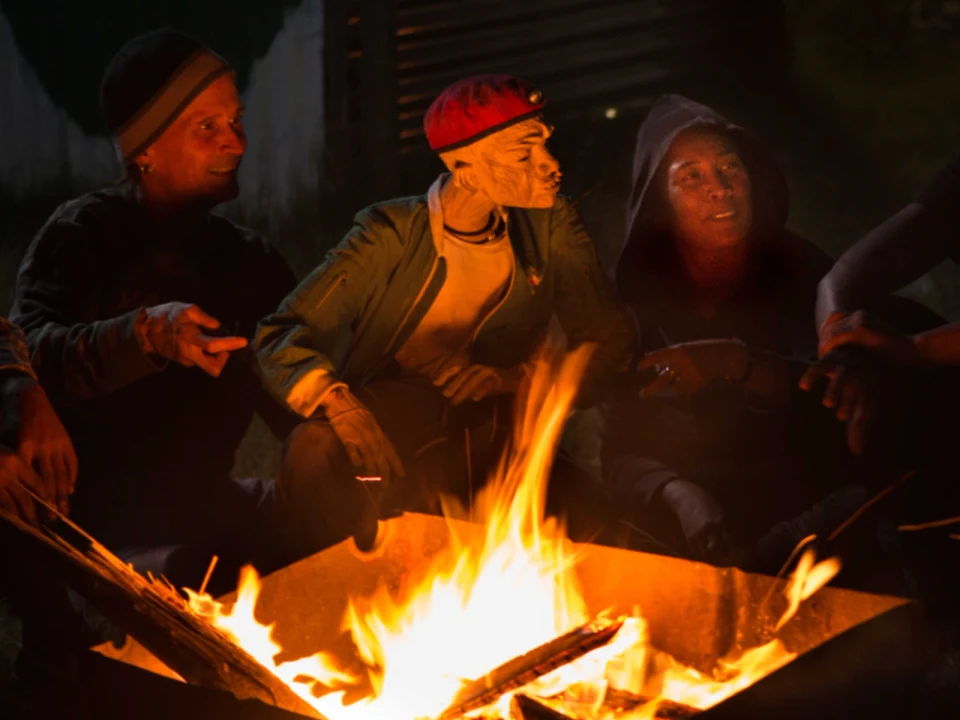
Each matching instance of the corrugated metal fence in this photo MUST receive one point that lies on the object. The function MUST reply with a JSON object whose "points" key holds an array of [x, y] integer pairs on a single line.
{"points": [[387, 59]]}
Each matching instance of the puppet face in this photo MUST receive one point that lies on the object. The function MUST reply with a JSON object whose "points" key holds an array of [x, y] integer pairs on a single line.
{"points": [[514, 168], [196, 159], [708, 189]]}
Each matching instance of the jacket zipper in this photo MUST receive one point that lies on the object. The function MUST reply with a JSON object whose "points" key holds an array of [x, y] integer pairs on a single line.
{"points": [[341, 279], [416, 301], [495, 308]]}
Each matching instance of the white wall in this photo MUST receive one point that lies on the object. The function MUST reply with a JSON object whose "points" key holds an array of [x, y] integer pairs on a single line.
{"points": [[40, 143]]}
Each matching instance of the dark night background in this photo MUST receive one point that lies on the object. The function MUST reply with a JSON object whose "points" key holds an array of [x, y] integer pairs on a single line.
{"points": [[859, 100]]}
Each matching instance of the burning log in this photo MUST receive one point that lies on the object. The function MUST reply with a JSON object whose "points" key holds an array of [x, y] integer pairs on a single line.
{"points": [[526, 668], [150, 610], [525, 707]]}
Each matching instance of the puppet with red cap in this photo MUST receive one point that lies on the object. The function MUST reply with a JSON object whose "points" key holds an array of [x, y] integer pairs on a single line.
{"points": [[444, 298]]}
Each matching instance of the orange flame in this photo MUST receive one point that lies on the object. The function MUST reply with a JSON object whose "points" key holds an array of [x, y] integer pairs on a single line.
{"points": [[483, 603]]}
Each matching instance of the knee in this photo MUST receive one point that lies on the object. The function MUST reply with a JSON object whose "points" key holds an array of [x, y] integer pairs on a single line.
{"points": [[312, 444]]}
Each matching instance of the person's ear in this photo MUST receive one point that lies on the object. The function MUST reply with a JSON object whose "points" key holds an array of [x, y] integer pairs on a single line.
{"points": [[144, 161]]}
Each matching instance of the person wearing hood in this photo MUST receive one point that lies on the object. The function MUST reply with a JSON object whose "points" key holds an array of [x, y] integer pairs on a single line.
{"points": [[721, 444]]}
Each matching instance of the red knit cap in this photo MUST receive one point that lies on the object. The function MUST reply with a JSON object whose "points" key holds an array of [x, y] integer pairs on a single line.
{"points": [[476, 107]]}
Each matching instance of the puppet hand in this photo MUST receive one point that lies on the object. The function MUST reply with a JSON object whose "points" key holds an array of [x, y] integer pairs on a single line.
{"points": [[369, 449], [476, 382], [867, 331], [174, 331], [693, 366], [700, 517], [42, 441]]}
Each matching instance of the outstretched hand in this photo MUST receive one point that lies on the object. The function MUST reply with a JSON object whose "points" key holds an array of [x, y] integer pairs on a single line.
{"points": [[175, 331]]}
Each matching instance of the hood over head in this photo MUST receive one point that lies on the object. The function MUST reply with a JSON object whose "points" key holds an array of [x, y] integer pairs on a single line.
{"points": [[669, 116]]}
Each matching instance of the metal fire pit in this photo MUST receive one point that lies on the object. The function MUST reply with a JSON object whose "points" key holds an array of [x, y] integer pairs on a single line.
{"points": [[695, 612]]}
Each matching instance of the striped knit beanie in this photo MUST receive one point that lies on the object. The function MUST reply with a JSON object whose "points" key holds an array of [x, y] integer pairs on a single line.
{"points": [[149, 83]]}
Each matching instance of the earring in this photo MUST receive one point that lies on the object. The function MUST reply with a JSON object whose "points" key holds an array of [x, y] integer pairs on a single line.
{"points": [[145, 168]]}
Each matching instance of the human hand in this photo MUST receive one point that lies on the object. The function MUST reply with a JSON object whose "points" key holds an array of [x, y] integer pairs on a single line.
{"points": [[42, 441], [15, 476], [477, 382], [862, 384], [175, 331], [367, 446], [868, 331], [692, 366], [700, 517]]}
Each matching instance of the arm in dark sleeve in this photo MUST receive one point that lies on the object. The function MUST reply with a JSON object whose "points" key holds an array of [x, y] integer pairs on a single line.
{"points": [[900, 250], [631, 466], [585, 304], [14, 355], [76, 355]]}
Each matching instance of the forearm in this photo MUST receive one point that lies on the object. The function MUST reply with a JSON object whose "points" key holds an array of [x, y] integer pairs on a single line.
{"points": [[14, 355], [888, 258], [85, 360], [940, 346]]}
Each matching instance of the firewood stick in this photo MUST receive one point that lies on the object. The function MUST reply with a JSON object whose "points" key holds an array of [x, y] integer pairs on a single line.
{"points": [[528, 667], [153, 613]]}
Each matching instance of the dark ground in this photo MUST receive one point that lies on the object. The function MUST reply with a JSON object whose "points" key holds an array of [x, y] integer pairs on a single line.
{"points": [[858, 131]]}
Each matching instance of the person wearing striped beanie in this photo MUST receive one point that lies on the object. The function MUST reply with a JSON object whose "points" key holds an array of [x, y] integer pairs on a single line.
{"points": [[137, 301]]}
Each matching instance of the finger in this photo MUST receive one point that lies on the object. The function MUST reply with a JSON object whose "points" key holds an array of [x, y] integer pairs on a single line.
{"points": [[446, 375], [203, 361], [657, 357], [661, 381], [198, 316], [354, 454], [471, 387], [70, 458], [219, 360], [814, 374], [214, 345], [483, 389], [831, 398], [48, 477], [62, 484], [849, 395], [17, 501], [453, 387]]}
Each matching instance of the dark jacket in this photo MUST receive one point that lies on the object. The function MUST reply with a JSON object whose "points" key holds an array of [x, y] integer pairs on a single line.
{"points": [[147, 435], [748, 455], [14, 355], [383, 276]]}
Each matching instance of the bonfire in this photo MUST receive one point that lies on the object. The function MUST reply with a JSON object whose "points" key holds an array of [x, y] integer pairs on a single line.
{"points": [[497, 623]]}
